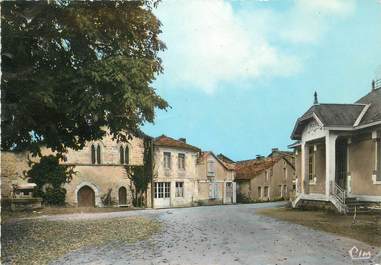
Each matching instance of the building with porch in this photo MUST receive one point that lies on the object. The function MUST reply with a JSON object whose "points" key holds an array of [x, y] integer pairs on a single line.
{"points": [[338, 153]]}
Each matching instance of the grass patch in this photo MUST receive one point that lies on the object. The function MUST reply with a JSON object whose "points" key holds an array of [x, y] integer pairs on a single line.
{"points": [[39, 242], [366, 229], [9, 215]]}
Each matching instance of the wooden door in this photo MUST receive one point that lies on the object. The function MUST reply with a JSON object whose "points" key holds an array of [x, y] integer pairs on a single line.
{"points": [[122, 196], [86, 197]]}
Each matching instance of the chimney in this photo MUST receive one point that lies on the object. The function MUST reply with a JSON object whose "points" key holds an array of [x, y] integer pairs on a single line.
{"points": [[373, 85], [184, 140], [259, 157], [275, 150]]}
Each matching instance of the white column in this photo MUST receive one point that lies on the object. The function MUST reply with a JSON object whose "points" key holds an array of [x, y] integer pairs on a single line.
{"points": [[303, 166], [330, 162]]}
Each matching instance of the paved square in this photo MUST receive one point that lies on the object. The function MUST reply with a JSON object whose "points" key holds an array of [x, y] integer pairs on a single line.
{"points": [[220, 235]]}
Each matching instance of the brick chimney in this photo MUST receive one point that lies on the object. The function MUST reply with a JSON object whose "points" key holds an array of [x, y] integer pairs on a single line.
{"points": [[184, 140]]}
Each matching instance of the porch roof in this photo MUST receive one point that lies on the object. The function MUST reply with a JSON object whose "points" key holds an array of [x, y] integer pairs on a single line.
{"points": [[365, 112], [373, 114]]}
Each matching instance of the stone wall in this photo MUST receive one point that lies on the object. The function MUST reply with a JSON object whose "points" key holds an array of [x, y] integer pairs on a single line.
{"points": [[110, 174]]}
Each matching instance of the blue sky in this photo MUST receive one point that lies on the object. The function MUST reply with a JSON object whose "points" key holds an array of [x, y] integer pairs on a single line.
{"points": [[239, 73]]}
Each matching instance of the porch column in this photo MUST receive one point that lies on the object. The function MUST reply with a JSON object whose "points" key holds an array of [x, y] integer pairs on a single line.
{"points": [[304, 168], [330, 162]]}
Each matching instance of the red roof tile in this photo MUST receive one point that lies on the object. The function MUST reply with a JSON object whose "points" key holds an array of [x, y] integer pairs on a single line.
{"points": [[170, 142]]}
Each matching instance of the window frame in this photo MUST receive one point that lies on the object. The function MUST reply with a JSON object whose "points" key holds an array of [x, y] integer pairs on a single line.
{"points": [[179, 192], [311, 164], [181, 161], [211, 168], [93, 154], [167, 157], [121, 155]]}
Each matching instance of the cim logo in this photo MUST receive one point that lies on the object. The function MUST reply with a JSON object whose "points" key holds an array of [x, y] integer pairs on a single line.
{"points": [[361, 255]]}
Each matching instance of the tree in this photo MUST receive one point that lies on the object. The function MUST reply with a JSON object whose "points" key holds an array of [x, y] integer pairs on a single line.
{"points": [[50, 177], [142, 176], [73, 70]]}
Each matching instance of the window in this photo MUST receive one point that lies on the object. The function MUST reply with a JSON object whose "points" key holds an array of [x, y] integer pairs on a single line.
{"points": [[124, 155], [93, 158], [211, 168], [267, 175], [181, 161], [121, 152], [266, 192], [167, 160], [213, 190], [281, 190], [179, 189], [162, 190], [95, 154], [259, 192], [378, 178], [311, 164], [99, 154]]}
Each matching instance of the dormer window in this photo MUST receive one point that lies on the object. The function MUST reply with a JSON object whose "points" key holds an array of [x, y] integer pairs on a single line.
{"points": [[124, 154], [95, 154]]}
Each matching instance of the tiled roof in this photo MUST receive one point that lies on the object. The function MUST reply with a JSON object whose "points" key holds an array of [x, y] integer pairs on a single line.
{"points": [[366, 110], [166, 141], [248, 169], [373, 114], [337, 115], [227, 165]]}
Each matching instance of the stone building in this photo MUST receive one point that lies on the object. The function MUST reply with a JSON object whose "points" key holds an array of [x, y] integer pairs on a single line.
{"points": [[338, 152], [100, 170], [185, 176], [266, 178], [215, 179]]}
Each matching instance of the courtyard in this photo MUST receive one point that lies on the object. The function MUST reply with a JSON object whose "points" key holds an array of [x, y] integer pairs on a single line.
{"points": [[234, 234]]}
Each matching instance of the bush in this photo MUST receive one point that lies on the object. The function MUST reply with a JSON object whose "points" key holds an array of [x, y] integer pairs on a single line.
{"points": [[54, 196], [49, 176]]}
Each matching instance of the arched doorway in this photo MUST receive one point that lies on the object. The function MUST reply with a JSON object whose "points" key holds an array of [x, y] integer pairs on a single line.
{"points": [[122, 196], [86, 197]]}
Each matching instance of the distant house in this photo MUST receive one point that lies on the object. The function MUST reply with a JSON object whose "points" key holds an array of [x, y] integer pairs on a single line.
{"points": [[216, 180], [186, 176], [338, 152], [266, 178]]}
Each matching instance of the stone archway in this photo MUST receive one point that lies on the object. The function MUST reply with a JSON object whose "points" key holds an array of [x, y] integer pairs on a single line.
{"points": [[86, 197], [98, 202], [122, 196]]}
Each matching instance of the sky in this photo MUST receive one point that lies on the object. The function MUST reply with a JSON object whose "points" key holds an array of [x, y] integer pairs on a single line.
{"points": [[237, 74]]}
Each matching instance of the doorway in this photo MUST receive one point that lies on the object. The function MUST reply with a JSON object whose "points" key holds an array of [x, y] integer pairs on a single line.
{"points": [[341, 163]]}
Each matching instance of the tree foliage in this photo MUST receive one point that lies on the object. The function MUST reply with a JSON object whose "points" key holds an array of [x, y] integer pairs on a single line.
{"points": [[142, 176], [73, 69], [50, 176]]}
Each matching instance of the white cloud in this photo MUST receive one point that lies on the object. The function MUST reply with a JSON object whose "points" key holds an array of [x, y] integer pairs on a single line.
{"points": [[308, 20], [209, 42]]}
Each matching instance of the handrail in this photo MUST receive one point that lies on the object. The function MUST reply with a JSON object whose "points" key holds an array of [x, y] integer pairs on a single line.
{"points": [[340, 193]]}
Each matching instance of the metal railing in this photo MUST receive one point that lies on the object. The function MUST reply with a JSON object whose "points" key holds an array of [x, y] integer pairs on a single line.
{"points": [[339, 193]]}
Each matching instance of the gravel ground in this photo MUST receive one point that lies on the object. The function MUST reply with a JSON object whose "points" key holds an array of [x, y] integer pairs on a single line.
{"points": [[219, 235]]}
